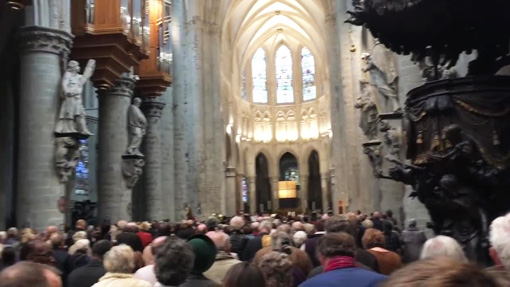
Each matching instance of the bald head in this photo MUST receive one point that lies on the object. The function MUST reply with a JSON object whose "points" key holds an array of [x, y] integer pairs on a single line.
{"points": [[50, 230], [29, 274], [298, 226], [202, 229], [221, 240], [377, 215]]}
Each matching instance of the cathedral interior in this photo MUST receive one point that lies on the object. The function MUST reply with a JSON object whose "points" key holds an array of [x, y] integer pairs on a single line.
{"points": [[158, 109]]}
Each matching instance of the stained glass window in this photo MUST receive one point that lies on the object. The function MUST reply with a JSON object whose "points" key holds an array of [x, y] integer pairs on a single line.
{"points": [[81, 186], [243, 85], [291, 174], [259, 67], [283, 63], [308, 69]]}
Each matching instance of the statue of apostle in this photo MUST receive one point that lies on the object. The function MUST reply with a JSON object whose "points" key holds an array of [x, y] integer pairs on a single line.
{"points": [[382, 69], [137, 125], [71, 118]]}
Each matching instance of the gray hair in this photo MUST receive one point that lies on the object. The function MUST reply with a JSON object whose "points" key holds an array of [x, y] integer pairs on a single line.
{"points": [[299, 238], [443, 246], [174, 262], [120, 259], [266, 224], [237, 222], [280, 240], [277, 269]]}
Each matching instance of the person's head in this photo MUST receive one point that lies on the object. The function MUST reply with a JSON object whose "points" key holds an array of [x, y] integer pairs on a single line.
{"points": [[82, 246], [27, 235], [100, 248], [8, 256], [377, 215], [500, 243], [30, 274], [174, 262], [12, 232], [119, 259], [37, 251], [255, 225], [441, 272], [137, 101], [56, 240], [221, 240], [212, 223], [244, 274], [205, 253], [79, 235], [334, 245], [281, 241], [367, 223], [309, 228], [50, 230], [338, 223], [298, 226], [247, 229], [121, 224], [443, 246], [145, 226], [299, 238], [265, 226], [236, 223], [387, 227], [389, 213], [373, 238], [319, 225], [81, 224], [277, 269], [201, 229], [411, 223], [284, 228], [131, 227]]}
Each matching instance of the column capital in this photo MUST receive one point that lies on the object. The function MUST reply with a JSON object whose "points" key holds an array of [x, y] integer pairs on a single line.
{"points": [[153, 107], [123, 87], [45, 40]]}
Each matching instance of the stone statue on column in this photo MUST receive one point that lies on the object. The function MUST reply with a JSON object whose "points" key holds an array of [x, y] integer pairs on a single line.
{"points": [[71, 118], [137, 128], [368, 118], [382, 68]]}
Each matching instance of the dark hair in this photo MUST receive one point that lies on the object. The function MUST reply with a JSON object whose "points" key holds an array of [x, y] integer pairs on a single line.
{"points": [[337, 223], [319, 225], [244, 274], [247, 229], [185, 233], [337, 244], [389, 213], [212, 224], [8, 256], [26, 274], [101, 247], [174, 262]]}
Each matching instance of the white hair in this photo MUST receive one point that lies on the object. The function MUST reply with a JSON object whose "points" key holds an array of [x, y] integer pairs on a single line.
{"points": [[499, 239], [443, 246], [299, 237], [3, 235], [120, 259], [82, 244], [237, 222], [265, 225], [367, 223]]}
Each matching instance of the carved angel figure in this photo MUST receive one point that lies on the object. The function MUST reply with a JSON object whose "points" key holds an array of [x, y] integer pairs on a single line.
{"points": [[71, 118], [368, 119]]}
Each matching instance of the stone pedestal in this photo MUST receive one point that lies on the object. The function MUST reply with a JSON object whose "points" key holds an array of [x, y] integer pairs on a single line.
{"points": [[324, 189], [274, 194], [38, 187], [252, 196], [153, 108], [114, 195], [231, 190]]}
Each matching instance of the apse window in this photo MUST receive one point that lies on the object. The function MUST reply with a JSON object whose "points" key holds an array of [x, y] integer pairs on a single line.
{"points": [[308, 70], [259, 72], [283, 63]]}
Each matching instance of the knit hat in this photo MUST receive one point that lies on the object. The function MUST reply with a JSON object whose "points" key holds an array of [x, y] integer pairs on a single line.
{"points": [[205, 253]]}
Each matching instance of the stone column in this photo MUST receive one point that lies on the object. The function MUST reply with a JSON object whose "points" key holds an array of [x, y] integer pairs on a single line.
{"points": [[114, 196], [153, 109], [38, 187], [324, 190], [303, 192], [231, 200], [252, 196], [274, 191], [167, 158]]}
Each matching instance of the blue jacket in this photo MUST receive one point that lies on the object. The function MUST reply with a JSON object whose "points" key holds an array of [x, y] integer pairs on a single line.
{"points": [[348, 277]]}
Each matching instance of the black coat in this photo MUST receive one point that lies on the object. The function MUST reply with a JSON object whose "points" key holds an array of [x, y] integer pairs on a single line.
{"points": [[238, 242], [87, 275], [63, 263], [253, 245]]}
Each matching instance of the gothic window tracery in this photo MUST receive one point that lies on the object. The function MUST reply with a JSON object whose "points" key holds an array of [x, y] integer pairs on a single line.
{"points": [[259, 72], [308, 70], [283, 64], [244, 92]]}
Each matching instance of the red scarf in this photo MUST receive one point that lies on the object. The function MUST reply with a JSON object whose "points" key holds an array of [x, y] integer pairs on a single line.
{"points": [[339, 262]]}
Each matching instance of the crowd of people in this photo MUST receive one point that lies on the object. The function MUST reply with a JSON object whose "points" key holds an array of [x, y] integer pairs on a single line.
{"points": [[355, 250]]}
